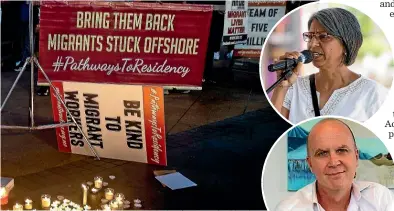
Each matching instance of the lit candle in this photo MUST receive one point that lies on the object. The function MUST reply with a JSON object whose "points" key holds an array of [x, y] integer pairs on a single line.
{"points": [[109, 193], [98, 182], [119, 197], [45, 201], [28, 204], [85, 194], [17, 207], [4, 196], [114, 204]]}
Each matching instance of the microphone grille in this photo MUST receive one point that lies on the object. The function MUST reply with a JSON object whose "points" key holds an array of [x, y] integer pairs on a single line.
{"points": [[307, 56]]}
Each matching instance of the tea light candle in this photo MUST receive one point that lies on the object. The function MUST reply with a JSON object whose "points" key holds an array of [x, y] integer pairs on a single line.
{"points": [[114, 204], [4, 196], [85, 194], [109, 193], [120, 204], [119, 197], [17, 207], [28, 204], [45, 201], [98, 182]]}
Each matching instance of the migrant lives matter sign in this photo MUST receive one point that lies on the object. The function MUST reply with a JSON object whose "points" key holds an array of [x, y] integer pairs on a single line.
{"points": [[235, 21], [124, 42], [262, 16], [126, 124]]}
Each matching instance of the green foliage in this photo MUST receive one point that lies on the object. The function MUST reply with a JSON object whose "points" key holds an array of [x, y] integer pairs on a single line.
{"points": [[373, 46], [375, 43], [367, 25], [391, 63]]}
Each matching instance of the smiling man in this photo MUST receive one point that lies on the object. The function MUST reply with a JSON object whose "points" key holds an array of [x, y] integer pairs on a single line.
{"points": [[333, 158]]}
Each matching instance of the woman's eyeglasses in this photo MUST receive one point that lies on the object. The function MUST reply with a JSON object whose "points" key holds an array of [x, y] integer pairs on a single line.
{"points": [[320, 36]]}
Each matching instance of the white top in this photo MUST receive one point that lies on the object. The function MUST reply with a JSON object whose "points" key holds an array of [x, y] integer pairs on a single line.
{"points": [[358, 101], [365, 196]]}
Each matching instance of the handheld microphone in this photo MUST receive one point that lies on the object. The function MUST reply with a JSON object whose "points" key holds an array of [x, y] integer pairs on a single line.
{"points": [[306, 57]]}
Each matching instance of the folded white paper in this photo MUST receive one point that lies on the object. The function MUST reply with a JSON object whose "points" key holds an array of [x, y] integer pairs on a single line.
{"points": [[175, 181]]}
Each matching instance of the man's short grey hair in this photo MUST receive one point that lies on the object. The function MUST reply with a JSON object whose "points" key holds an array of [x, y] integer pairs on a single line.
{"points": [[343, 25]]}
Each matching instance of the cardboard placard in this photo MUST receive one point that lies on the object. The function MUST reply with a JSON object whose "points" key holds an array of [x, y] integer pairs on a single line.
{"points": [[123, 122]]}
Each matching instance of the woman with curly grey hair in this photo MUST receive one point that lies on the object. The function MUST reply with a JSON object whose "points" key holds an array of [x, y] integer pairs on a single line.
{"points": [[334, 37]]}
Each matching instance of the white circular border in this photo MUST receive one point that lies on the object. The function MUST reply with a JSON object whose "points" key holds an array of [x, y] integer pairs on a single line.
{"points": [[300, 123], [354, 6]]}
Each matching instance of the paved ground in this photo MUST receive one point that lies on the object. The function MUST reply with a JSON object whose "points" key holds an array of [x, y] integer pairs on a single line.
{"points": [[217, 137]]}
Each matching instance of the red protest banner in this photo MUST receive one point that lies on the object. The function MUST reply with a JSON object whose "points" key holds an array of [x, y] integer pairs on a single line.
{"points": [[124, 42], [121, 126]]}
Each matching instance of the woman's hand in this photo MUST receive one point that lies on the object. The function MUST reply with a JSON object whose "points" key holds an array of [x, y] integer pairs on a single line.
{"points": [[279, 94], [296, 71]]}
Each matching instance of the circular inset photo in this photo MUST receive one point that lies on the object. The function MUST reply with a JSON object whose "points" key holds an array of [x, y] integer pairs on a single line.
{"points": [[328, 163], [326, 59]]}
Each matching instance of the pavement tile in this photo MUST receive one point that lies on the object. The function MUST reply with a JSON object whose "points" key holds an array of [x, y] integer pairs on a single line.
{"points": [[57, 170], [118, 162], [45, 174], [79, 163], [108, 165], [91, 167], [31, 184]]}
